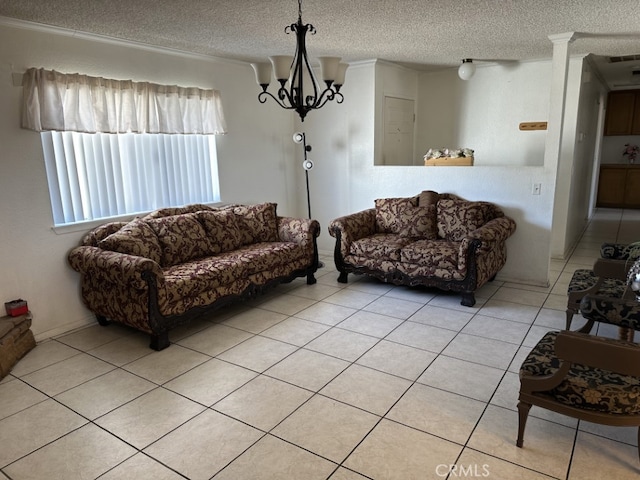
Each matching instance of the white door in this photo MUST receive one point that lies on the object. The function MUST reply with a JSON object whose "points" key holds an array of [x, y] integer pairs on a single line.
{"points": [[399, 120]]}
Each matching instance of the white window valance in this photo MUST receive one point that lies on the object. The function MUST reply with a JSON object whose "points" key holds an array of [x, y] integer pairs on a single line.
{"points": [[80, 103]]}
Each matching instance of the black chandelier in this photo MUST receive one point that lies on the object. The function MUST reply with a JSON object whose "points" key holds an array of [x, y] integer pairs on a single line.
{"points": [[296, 71]]}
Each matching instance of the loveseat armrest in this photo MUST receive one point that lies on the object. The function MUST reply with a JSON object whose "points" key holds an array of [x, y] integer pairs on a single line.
{"points": [[115, 267], [490, 234], [298, 230], [352, 227]]}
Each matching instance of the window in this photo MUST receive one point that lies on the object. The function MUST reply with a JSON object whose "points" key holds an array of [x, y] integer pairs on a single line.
{"points": [[98, 175], [118, 147]]}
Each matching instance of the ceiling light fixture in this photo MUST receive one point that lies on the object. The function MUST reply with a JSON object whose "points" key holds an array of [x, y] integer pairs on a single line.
{"points": [[296, 70], [467, 69]]}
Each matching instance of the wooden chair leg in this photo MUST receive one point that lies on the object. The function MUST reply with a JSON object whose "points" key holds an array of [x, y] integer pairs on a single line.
{"points": [[569, 318], [523, 414]]}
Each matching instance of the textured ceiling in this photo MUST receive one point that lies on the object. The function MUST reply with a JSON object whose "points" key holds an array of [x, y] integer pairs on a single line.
{"points": [[430, 34]]}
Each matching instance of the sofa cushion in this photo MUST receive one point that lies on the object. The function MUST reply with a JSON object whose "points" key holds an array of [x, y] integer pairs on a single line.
{"points": [[389, 209], [170, 211], [458, 218], [380, 246], [257, 223], [135, 238], [222, 229], [182, 238], [266, 256]]}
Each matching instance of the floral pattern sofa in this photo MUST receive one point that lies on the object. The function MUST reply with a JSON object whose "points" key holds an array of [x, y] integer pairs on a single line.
{"points": [[431, 239], [161, 270]]}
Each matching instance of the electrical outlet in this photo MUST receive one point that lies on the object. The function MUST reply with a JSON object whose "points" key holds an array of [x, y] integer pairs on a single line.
{"points": [[535, 190]]}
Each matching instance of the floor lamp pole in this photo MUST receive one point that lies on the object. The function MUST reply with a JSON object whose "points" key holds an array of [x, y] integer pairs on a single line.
{"points": [[300, 137]]}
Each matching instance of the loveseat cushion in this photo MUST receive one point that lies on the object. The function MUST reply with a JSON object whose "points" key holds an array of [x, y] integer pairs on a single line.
{"points": [[458, 218], [432, 254], [135, 238], [418, 222], [385, 246], [405, 217], [257, 223], [222, 229], [181, 237], [387, 210]]}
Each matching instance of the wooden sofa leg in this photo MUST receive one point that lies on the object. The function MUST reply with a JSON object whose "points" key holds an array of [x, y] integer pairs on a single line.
{"points": [[160, 341], [468, 299], [103, 321], [342, 278], [311, 279], [523, 413]]}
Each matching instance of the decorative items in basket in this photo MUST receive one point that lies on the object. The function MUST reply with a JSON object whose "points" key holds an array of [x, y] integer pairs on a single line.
{"points": [[449, 156]]}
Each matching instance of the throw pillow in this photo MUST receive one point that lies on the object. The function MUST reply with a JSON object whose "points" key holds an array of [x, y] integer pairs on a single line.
{"points": [[181, 237], [428, 197], [135, 238], [418, 222], [257, 223], [222, 229], [458, 218], [387, 211]]}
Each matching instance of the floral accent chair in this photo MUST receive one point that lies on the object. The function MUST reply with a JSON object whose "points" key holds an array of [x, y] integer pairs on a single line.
{"points": [[588, 377], [607, 278]]}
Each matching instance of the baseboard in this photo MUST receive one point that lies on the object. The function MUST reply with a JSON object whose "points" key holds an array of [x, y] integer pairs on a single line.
{"points": [[65, 328]]}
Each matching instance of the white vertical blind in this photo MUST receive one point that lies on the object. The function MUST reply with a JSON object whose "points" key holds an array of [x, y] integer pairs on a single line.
{"points": [[94, 176]]}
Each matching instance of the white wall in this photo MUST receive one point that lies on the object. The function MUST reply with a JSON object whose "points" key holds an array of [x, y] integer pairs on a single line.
{"points": [[254, 158], [576, 168], [484, 113]]}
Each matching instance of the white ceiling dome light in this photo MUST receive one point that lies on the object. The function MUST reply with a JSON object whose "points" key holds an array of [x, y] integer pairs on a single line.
{"points": [[467, 69]]}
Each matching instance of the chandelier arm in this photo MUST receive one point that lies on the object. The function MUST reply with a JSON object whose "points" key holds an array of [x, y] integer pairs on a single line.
{"points": [[326, 96], [262, 98]]}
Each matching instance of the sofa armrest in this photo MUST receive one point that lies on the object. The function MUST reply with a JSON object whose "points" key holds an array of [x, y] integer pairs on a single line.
{"points": [[353, 227], [118, 268], [298, 230]]}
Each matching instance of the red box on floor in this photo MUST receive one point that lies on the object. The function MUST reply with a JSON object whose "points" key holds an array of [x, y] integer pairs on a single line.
{"points": [[16, 308]]}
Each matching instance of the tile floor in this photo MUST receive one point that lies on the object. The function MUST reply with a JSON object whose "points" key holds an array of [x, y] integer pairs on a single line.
{"points": [[347, 382]]}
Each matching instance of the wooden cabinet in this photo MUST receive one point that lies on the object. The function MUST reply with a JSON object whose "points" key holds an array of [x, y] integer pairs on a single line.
{"points": [[619, 186], [623, 113]]}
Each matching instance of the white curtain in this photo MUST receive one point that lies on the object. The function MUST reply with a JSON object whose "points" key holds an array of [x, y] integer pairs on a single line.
{"points": [[80, 103]]}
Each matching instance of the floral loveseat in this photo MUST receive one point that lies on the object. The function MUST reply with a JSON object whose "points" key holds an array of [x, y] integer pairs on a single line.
{"points": [[163, 269], [431, 239]]}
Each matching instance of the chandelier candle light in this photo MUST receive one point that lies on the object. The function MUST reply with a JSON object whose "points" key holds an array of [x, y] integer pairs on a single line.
{"points": [[296, 70]]}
